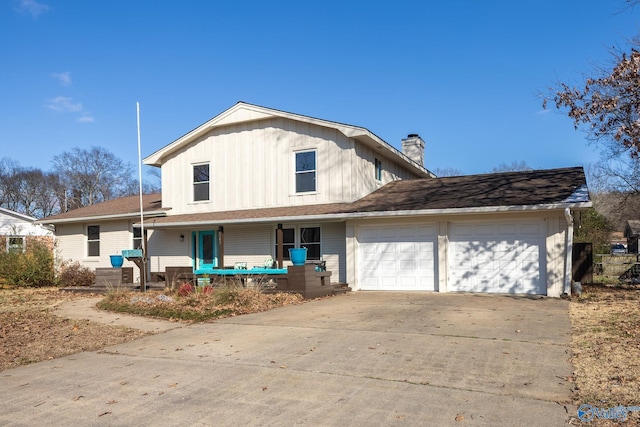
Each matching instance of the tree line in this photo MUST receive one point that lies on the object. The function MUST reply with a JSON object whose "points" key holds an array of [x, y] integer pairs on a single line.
{"points": [[79, 177]]}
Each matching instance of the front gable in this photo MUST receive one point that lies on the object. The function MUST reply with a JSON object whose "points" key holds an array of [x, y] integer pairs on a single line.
{"points": [[251, 157]]}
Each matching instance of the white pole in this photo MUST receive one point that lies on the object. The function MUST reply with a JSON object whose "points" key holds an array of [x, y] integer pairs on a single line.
{"points": [[143, 270]]}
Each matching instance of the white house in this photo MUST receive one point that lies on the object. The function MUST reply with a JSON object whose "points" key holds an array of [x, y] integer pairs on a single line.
{"points": [[16, 230], [373, 214]]}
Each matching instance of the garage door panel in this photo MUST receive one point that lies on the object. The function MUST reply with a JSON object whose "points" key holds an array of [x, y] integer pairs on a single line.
{"points": [[406, 248], [386, 265], [406, 265], [485, 230], [507, 260], [404, 257], [507, 229], [530, 229]]}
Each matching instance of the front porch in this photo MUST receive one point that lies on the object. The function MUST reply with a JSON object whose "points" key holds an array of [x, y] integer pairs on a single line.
{"points": [[306, 280]]}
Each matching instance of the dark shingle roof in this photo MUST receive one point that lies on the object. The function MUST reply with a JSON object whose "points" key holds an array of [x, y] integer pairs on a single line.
{"points": [[530, 188], [122, 206], [471, 191]]}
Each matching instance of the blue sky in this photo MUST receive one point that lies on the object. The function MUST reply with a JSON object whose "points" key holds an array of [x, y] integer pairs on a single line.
{"points": [[464, 74]]}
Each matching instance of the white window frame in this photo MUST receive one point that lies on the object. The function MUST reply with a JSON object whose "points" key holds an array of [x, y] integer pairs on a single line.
{"points": [[89, 241], [296, 172], [194, 183]]}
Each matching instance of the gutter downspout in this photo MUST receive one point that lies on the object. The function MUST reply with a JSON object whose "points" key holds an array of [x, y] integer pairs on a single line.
{"points": [[568, 252]]}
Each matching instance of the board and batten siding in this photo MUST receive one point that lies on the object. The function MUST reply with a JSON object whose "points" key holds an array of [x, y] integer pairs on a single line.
{"points": [[252, 166], [363, 171]]}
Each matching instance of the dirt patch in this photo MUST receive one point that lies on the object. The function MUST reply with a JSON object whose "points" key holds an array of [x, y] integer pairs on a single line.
{"points": [[606, 349], [30, 332]]}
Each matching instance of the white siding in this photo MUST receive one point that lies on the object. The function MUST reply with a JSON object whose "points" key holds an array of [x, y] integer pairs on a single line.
{"points": [[11, 225], [115, 236], [556, 242], [252, 166], [334, 250], [166, 249], [363, 171]]}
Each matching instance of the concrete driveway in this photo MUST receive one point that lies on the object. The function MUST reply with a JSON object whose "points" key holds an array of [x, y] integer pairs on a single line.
{"points": [[367, 358]]}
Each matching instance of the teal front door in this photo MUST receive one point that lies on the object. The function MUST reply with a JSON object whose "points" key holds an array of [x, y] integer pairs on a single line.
{"points": [[206, 250]]}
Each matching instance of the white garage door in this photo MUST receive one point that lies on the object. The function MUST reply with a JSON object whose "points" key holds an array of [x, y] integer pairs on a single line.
{"points": [[497, 257], [397, 258]]}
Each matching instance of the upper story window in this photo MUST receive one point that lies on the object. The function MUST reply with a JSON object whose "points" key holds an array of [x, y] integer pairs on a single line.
{"points": [[200, 182], [93, 240], [15, 244], [378, 169], [305, 171]]}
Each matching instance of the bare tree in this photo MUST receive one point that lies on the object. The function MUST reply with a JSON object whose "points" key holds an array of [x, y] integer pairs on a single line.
{"points": [[8, 183], [512, 167], [93, 176], [28, 190], [441, 172]]}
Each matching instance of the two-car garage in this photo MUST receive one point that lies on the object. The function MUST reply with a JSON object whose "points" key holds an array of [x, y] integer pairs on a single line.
{"points": [[480, 256]]}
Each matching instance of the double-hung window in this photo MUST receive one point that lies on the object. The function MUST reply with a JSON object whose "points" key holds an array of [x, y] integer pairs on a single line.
{"points": [[93, 240], [306, 171], [201, 182]]}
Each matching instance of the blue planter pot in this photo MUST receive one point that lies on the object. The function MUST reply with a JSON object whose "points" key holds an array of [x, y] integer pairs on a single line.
{"points": [[298, 256], [116, 261]]}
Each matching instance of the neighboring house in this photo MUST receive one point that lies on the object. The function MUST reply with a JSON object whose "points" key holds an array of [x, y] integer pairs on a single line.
{"points": [[17, 231], [631, 233], [375, 215]]}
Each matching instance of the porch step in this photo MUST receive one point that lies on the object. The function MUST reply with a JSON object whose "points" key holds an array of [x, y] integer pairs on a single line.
{"points": [[340, 288]]}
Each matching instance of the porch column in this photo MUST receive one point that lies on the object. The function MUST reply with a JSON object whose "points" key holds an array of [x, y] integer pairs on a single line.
{"points": [[279, 246], [221, 241]]}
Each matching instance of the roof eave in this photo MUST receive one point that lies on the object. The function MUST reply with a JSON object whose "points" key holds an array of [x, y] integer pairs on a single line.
{"points": [[380, 214], [149, 214]]}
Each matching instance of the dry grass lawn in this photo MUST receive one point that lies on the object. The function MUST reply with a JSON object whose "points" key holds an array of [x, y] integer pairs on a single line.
{"points": [[30, 332], [606, 349]]}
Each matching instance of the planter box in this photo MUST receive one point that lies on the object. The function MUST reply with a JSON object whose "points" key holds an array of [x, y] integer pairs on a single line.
{"points": [[106, 277]]}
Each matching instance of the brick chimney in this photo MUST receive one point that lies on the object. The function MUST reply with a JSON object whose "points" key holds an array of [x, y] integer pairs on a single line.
{"points": [[413, 148]]}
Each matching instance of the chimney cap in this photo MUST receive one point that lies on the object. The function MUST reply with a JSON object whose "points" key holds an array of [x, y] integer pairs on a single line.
{"points": [[413, 135]]}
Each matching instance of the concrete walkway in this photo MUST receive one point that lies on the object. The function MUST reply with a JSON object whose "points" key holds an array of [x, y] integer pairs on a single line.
{"points": [[366, 358], [85, 308]]}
